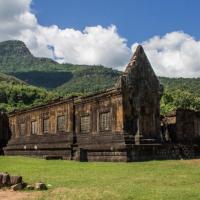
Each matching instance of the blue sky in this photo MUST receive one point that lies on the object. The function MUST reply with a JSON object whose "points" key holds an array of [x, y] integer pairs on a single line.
{"points": [[136, 20], [106, 32]]}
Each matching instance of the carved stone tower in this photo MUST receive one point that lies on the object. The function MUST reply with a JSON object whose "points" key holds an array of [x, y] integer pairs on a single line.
{"points": [[142, 92]]}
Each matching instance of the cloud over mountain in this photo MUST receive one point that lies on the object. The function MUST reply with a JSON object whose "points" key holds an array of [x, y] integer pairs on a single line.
{"points": [[174, 54], [93, 45]]}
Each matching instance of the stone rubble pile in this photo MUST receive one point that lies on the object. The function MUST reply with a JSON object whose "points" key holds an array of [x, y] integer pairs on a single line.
{"points": [[16, 183]]}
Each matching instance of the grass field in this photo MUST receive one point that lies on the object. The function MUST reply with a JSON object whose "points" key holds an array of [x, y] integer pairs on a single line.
{"points": [[155, 180]]}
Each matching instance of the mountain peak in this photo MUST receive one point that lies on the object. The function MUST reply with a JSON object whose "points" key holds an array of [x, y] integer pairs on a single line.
{"points": [[14, 47]]}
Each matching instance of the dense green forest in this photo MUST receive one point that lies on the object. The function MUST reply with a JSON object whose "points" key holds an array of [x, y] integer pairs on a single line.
{"points": [[180, 93], [15, 94], [26, 80]]}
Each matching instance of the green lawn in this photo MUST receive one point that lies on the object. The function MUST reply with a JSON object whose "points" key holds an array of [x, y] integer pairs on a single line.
{"points": [[163, 180]]}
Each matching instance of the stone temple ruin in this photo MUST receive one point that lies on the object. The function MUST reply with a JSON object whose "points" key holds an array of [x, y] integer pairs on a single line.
{"points": [[119, 124]]}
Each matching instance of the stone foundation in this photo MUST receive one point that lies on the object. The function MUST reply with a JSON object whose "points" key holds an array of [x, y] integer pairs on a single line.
{"points": [[140, 153]]}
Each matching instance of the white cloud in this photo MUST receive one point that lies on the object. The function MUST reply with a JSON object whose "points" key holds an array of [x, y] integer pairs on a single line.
{"points": [[15, 16], [176, 54], [93, 45]]}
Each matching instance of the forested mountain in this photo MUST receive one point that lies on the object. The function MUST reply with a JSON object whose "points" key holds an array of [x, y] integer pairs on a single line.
{"points": [[66, 79], [16, 59]]}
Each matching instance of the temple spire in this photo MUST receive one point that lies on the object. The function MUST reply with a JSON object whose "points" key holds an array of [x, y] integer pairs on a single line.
{"points": [[138, 54]]}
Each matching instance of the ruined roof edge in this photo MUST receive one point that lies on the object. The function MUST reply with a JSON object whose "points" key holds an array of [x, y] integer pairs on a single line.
{"points": [[70, 98]]}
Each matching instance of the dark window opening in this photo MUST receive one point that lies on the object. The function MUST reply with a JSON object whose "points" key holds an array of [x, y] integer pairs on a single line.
{"points": [[61, 123], [85, 124], [105, 121], [34, 127], [22, 129], [46, 125]]}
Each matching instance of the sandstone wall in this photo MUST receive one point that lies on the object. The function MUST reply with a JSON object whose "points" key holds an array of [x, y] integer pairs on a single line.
{"points": [[41, 140]]}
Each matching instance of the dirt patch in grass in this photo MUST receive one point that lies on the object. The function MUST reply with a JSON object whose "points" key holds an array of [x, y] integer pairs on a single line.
{"points": [[13, 195]]}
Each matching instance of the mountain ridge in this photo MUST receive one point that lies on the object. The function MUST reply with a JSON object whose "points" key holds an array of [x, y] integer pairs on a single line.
{"points": [[17, 61]]}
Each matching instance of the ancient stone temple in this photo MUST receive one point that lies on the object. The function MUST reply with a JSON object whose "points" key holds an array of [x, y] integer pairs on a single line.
{"points": [[104, 126], [119, 124]]}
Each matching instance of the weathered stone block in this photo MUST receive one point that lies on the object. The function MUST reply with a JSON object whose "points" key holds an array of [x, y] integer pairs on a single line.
{"points": [[15, 180], [18, 186], [30, 187], [5, 179], [40, 186]]}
